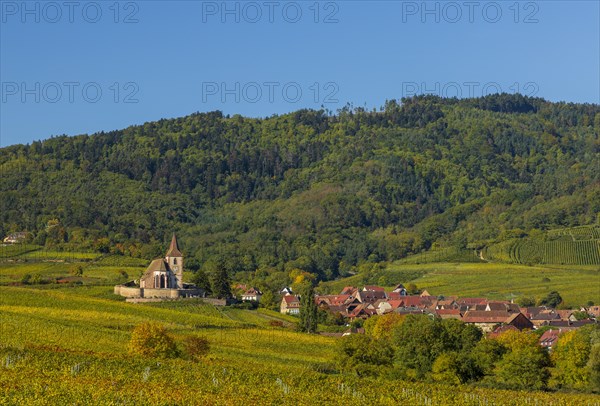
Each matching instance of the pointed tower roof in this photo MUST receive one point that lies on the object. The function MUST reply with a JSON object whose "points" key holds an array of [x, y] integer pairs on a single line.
{"points": [[174, 248]]}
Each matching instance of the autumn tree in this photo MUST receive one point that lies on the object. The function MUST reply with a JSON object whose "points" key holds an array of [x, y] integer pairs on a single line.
{"points": [[152, 340], [524, 365], [382, 327], [571, 355]]}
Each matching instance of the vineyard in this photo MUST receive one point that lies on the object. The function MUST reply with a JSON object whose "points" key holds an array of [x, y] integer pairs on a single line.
{"points": [[75, 378], [572, 246], [67, 346], [449, 254]]}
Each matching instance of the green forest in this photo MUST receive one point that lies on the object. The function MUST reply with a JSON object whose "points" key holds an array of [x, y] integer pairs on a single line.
{"points": [[315, 191]]}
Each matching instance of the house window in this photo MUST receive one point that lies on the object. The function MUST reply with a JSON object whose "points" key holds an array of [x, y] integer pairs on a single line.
{"points": [[174, 261]]}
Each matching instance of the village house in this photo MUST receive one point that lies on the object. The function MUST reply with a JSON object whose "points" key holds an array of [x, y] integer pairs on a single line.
{"points": [[370, 295], [448, 313], [549, 338], [387, 306], [568, 323], [15, 238], [252, 295], [566, 315], [542, 318], [400, 289], [163, 279], [362, 311], [488, 320], [290, 304], [446, 304], [592, 311]]}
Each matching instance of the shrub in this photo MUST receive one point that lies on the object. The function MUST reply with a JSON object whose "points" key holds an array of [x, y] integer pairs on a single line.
{"points": [[196, 347], [553, 299], [364, 355], [76, 270], [526, 301], [152, 340], [36, 279]]}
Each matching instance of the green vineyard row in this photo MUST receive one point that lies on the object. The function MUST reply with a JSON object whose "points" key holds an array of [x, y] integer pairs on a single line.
{"points": [[530, 251]]}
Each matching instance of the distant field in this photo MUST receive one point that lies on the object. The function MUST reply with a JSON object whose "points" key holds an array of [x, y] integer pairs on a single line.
{"points": [[60, 255], [576, 284], [94, 273]]}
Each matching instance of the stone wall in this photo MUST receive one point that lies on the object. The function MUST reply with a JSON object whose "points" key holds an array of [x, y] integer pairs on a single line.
{"points": [[136, 292], [127, 291]]}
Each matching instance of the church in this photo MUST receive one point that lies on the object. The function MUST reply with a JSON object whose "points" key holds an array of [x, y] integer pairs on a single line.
{"points": [[162, 279]]}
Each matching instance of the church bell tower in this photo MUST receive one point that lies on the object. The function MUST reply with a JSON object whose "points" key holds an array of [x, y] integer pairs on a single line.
{"points": [[174, 258]]}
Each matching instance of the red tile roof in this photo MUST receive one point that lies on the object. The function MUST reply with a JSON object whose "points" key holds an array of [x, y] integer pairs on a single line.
{"points": [[501, 329], [291, 299], [374, 288], [395, 295], [416, 301], [447, 311], [549, 338], [348, 290], [479, 316]]}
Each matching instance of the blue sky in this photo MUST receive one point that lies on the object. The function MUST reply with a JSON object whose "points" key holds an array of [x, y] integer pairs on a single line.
{"points": [[84, 67]]}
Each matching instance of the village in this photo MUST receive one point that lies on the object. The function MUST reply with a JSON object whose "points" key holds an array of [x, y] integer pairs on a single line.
{"points": [[493, 317]]}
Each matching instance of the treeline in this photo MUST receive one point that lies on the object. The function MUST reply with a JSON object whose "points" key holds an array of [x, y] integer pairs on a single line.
{"points": [[417, 347], [309, 190]]}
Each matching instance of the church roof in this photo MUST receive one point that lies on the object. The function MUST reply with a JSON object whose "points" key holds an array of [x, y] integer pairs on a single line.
{"points": [[157, 265], [174, 248]]}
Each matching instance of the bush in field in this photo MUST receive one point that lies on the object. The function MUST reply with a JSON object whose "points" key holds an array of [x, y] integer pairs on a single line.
{"points": [[76, 270], [152, 340], [553, 299], [526, 301], [36, 279], [196, 347]]}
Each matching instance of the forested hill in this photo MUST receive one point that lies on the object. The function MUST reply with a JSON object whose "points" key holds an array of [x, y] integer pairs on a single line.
{"points": [[309, 190]]}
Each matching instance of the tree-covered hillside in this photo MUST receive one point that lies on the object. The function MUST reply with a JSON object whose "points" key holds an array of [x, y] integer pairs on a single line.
{"points": [[311, 190]]}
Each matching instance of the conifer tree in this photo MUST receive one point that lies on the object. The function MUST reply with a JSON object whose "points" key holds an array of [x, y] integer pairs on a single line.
{"points": [[221, 285], [308, 310]]}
